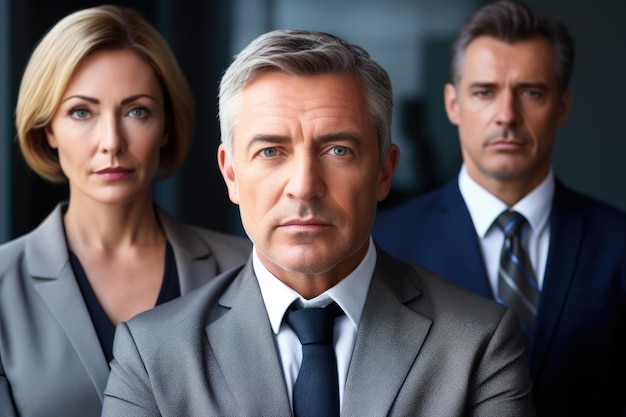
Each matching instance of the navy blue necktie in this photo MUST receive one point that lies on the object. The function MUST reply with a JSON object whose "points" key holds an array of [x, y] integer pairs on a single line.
{"points": [[517, 284], [316, 390]]}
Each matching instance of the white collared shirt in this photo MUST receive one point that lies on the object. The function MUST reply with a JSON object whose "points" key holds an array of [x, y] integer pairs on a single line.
{"points": [[484, 208], [350, 294]]}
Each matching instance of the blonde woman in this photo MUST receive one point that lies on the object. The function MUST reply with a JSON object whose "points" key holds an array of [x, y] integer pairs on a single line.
{"points": [[104, 106]]}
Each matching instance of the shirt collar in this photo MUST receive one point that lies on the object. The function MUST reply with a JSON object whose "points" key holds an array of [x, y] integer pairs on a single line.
{"points": [[537, 204], [484, 207], [349, 293]]}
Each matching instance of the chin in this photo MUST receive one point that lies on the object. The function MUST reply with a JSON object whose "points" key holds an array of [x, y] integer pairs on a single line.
{"points": [[118, 199], [307, 269], [506, 173], [306, 261]]}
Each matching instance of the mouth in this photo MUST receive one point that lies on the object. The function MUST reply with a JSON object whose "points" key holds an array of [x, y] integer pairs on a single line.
{"points": [[305, 225], [507, 144], [114, 173]]}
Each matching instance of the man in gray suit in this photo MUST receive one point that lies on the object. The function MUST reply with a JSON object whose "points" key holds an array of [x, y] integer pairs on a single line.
{"points": [[306, 155]]}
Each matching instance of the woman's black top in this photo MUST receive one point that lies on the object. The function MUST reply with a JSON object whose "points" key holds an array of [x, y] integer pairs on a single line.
{"points": [[105, 330]]}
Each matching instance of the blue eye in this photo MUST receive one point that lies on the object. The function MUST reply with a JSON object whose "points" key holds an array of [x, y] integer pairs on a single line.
{"points": [[340, 150], [79, 113], [483, 93], [533, 94], [269, 152], [138, 112]]}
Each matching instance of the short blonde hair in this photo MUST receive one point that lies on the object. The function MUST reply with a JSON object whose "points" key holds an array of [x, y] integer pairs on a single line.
{"points": [[61, 52]]}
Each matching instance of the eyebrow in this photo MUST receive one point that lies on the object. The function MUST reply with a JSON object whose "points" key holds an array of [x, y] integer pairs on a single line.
{"points": [[538, 85], [351, 137], [269, 139], [482, 85], [124, 101]]}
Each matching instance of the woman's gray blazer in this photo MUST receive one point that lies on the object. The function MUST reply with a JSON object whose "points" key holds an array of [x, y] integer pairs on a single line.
{"points": [[51, 362]]}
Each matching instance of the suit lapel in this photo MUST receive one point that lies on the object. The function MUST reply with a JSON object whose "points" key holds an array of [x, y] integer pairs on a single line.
{"points": [[194, 262], [49, 267], [389, 338], [244, 347], [461, 240], [567, 225]]}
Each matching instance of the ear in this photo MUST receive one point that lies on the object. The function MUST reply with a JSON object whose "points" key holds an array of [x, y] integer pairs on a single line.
{"points": [[390, 163], [52, 140], [451, 104], [228, 172], [564, 106]]}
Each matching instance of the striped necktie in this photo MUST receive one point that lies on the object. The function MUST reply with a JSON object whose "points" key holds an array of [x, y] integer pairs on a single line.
{"points": [[517, 284]]}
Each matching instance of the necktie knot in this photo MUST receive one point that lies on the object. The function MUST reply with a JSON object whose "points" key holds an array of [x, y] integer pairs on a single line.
{"points": [[510, 222], [314, 325]]}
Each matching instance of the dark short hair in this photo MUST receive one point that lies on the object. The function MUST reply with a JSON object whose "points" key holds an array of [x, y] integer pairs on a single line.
{"points": [[511, 21]]}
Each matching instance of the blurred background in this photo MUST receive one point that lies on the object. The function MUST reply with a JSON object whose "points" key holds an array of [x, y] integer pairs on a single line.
{"points": [[409, 38]]}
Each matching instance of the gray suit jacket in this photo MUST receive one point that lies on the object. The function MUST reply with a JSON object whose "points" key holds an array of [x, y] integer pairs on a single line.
{"points": [[424, 348], [51, 363]]}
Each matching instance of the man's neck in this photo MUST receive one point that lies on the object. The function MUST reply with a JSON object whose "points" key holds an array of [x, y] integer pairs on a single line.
{"points": [[508, 190]]}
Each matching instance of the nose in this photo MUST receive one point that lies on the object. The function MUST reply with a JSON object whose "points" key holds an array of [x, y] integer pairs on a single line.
{"points": [[112, 139], [507, 112], [305, 179]]}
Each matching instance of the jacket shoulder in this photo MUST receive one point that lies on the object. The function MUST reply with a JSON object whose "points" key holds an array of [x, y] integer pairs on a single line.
{"points": [[438, 296], [600, 217], [11, 257]]}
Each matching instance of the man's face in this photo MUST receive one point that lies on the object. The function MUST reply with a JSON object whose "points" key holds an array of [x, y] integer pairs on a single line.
{"points": [[507, 107], [306, 172]]}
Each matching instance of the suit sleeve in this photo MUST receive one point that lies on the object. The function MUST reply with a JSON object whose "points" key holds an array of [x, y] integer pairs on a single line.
{"points": [[502, 385], [128, 391]]}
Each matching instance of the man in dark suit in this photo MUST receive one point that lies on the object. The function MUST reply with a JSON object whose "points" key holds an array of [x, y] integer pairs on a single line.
{"points": [[306, 155], [509, 94]]}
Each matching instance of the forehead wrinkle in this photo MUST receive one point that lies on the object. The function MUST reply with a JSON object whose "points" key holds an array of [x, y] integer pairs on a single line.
{"points": [[273, 112], [523, 62]]}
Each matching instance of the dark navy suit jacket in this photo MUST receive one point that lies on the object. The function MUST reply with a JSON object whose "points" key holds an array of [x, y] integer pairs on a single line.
{"points": [[578, 354]]}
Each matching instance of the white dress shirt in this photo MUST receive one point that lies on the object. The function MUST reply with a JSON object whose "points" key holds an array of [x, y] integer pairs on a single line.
{"points": [[350, 294], [484, 208]]}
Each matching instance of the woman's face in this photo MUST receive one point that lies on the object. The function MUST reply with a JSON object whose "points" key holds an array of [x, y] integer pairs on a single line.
{"points": [[109, 128]]}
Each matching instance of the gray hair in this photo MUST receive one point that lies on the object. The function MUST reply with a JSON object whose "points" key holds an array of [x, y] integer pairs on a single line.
{"points": [[300, 52], [511, 21]]}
